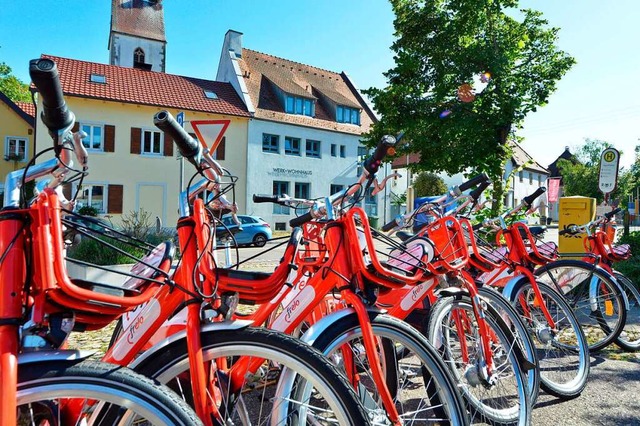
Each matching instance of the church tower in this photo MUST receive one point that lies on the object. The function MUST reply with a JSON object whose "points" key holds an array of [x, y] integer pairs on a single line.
{"points": [[137, 38]]}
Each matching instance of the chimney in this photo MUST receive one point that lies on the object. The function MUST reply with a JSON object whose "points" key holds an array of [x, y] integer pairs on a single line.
{"points": [[233, 39]]}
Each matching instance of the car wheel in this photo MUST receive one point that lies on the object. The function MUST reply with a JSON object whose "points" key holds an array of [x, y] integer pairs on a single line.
{"points": [[260, 240]]}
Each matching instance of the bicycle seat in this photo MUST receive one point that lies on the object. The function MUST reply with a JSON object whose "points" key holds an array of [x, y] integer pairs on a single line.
{"points": [[537, 231], [404, 235]]}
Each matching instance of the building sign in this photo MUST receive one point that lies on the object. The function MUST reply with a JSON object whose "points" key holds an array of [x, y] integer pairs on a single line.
{"points": [[608, 178], [281, 171]]}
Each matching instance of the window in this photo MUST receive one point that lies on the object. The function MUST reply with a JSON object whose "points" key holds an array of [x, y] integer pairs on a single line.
{"points": [[521, 176], [151, 142], [15, 148], [279, 189], [313, 148], [93, 196], [210, 94], [336, 188], [530, 178], [94, 136], [291, 145], [270, 143], [302, 190], [343, 151], [98, 78], [333, 149], [138, 56], [300, 106], [362, 155], [347, 115]]}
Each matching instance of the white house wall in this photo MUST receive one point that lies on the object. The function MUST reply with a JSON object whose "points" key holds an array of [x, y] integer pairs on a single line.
{"points": [[264, 168]]}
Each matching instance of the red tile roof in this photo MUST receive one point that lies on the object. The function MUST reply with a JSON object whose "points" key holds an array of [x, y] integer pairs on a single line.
{"points": [[27, 107], [404, 160], [138, 18], [262, 71], [143, 87]]}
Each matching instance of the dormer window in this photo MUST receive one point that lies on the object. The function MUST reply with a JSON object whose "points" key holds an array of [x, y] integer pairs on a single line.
{"points": [[300, 106], [210, 94], [347, 115], [138, 56], [98, 78]]}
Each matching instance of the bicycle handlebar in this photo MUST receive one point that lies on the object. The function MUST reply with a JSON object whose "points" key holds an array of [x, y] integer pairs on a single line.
{"points": [[473, 182], [188, 147], [265, 198], [384, 147], [475, 194], [389, 226], [55, 114], [529, 199], [301, 220], [612, 213]]}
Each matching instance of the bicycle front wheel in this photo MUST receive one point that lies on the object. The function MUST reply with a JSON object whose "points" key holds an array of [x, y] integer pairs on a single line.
{"points": [[423, 390], [500, 396], [95, 393], [259, 399], [593, 294], [629, 339], [563, 352]]}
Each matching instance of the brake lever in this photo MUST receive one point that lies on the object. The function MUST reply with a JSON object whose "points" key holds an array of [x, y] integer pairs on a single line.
{"points": [[377, 187], [79, 150]]}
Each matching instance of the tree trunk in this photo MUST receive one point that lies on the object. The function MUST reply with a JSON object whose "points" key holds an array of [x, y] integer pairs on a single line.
{"points": [[497, 175]]}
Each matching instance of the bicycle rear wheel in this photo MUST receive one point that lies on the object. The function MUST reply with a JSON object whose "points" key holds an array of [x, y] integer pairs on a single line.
{"points": [[258, 400], [95, 393], [593, 294], [629, 338], [502, 398]]}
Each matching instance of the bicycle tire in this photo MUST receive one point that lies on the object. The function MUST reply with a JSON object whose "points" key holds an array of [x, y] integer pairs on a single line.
{"points": [[521, 333], [480, 395], [171, 362], [106, 386], [594, 295], [569, 342], [438, 385], [629, 339]]}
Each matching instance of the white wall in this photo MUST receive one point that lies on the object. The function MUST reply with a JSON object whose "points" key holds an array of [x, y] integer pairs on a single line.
{"points": [[264, 168], [124, 46]]}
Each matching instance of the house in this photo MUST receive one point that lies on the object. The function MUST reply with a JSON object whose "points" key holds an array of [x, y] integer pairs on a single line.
{"points": [[524, 173], [132, 164], [305, 131], [16, 133]]}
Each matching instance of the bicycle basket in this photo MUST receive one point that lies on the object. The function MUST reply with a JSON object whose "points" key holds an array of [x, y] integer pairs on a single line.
{"points": [[537, 253], [482, 255], [613, 253], [451, 252]]}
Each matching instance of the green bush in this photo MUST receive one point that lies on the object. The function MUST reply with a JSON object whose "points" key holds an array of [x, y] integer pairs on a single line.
{"points": [[631, 267], [96, 252]]}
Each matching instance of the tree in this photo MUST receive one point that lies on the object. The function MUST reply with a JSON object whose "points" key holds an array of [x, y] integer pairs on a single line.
{"points": [[427, 184], [11, 86], [580, 177], [440, 47]]}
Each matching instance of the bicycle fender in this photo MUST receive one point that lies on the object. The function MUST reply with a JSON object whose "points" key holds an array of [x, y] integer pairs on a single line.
{"points": [[310, 336], [72, 356], [510, 288], [182, 334]]}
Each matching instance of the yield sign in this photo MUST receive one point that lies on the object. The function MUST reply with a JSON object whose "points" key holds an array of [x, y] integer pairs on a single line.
{"points": [[210, 132]]}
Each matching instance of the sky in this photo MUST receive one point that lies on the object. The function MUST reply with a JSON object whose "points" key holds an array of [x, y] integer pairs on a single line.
{"points": [[596, 99]]}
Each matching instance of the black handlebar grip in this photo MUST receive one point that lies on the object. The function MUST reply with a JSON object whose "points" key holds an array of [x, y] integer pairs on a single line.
{"points": [[300, 220], [477, 226], [529, 199], [188, 147], [389, 226], [265, 198], [473, 182], [612, 213], [563, 232], [372, 164], [476, 193], [55, 114]]}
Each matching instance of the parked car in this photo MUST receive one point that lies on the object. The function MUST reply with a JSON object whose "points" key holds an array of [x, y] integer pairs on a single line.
{"points": [[254, 230]]}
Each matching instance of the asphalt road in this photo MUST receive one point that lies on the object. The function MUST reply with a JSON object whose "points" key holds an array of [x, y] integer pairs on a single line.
{"points": [[612, 395]]}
